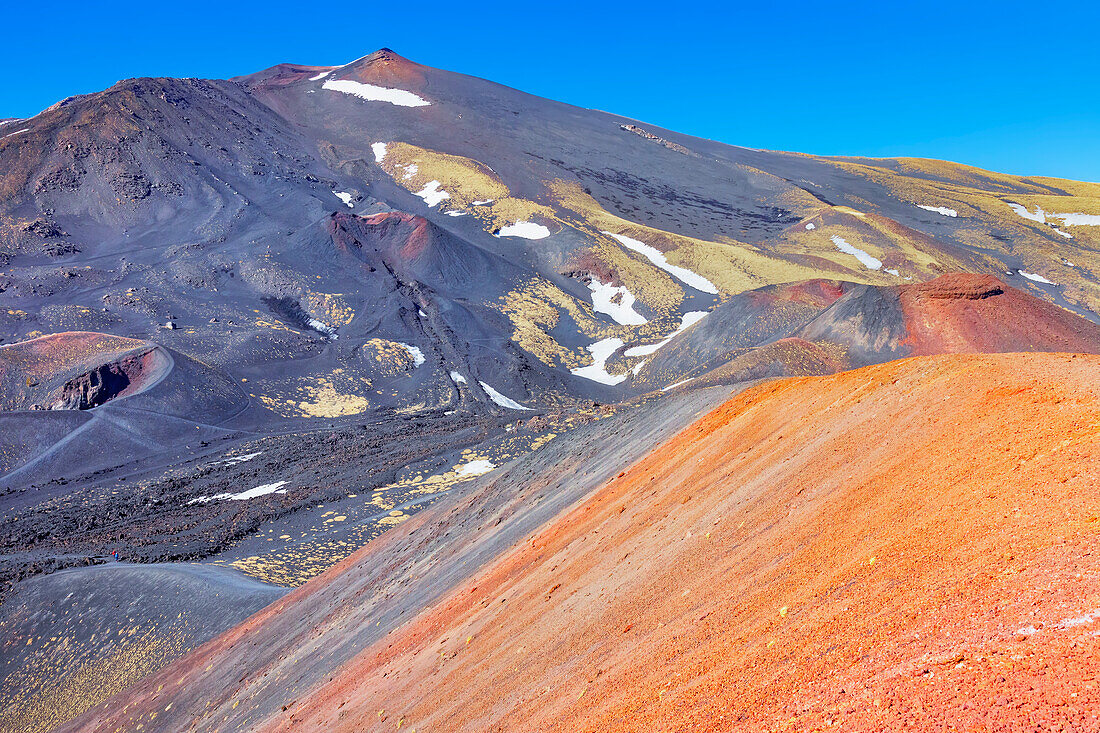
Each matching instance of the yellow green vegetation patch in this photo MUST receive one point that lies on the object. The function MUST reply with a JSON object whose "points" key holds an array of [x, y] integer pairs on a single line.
{"points": [[465, 180]]}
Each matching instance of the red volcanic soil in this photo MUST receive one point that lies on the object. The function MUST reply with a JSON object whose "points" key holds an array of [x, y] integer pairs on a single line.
{"points": [[75, 367], [385, 68], [407, 235], [964, 313], [816, 293], [911, 545]]}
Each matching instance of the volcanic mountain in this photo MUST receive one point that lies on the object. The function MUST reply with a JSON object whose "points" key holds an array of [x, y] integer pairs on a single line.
{"points": [[260, 324]]}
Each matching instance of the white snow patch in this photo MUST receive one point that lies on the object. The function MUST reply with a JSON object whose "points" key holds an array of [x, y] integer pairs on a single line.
{"points": [[345, 197], [1035, 278], [321, 76], [373, 93], [867, 260], [415, 353], [895, 273], [1068, 263], [475, 467], [458, 378], [677, 384], [810, 227], [9, 122], [422, 313], [455, 213], [939, 210], [638, 367], [432, 193], [525, 229], [13, 134], [658, 258], [262, 490], [233, 460], [379, 150], [486, 202], [601, 351], [1067, 235], [1039, 215], [1069, 220], [604, 301], [410, 171], [323, 328], [1079, 220], [686, 321], [500, 399]]}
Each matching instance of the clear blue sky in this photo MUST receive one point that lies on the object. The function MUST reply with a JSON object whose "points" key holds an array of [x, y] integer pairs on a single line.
{"points": [[1014, 87]]}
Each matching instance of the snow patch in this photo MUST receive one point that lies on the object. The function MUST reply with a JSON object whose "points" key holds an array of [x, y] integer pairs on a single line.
{"points": [[233, 460], [415, 352], [895, 273], [321, 76], [657, 257], [1035, 278], [410, 171], [262, 490], [345, 197], [432, 193], [475, 468], [1079, 220], [379, 150], [604, 301], [500, 399], [322, 327], [486, 202], [1039, 215], [458, 378], [601, 351], [525, 229], [867, 260], [686, 321], [677, 384], [455, 213], [810, 227], [1067, 235], [13, 134], [373, 93], [939, 210]]}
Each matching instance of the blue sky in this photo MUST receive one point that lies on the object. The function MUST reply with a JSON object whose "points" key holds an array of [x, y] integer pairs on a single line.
{"points": [[1008, 86]]}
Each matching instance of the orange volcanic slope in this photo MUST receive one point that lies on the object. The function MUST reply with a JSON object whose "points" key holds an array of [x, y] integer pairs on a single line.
{"points": [[914, 543]]}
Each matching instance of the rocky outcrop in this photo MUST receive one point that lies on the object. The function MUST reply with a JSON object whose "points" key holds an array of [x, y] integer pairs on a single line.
{"points": [[100, 385]]}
